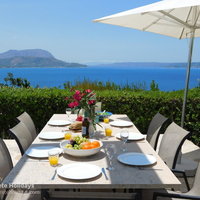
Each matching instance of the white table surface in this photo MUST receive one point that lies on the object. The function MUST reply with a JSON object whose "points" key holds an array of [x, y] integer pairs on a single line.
{"points": [[38, 172]]}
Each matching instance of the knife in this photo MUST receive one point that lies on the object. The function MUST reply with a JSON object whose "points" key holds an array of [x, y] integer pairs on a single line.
{"points": [[54, 175], [104, 172]]}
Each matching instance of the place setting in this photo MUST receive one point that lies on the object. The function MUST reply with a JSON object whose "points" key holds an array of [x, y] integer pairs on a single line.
{"points": [[52, 135], [59, 123], [79, 171], [42, 151], [121, 123], [137, 159], [132, 136], [133, 158], [76, 171]]}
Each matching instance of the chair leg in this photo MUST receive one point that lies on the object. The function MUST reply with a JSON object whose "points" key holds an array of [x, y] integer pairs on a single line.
{"points": [[138, 195], [186, 181], [44, 195]]}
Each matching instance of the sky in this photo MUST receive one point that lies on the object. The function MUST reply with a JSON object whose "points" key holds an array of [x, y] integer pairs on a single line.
{"points": [[65, 29]]}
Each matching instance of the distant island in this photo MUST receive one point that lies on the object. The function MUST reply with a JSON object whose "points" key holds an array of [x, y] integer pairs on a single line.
{"points": [[144, 64], [32, 58]]}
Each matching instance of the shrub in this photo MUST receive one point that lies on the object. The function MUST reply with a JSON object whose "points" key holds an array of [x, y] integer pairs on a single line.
{"points": [[140, 106]]}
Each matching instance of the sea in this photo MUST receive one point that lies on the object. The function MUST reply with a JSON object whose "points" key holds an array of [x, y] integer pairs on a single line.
{"points": [[168, 79]]}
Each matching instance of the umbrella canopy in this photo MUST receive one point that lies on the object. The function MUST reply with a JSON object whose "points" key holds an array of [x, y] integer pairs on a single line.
{"points": [[174, 18]]}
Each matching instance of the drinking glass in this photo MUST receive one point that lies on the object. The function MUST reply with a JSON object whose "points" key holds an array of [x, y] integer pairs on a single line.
{"points": [[110, 150], [68, 135], [124, 136], [106, 120], [108, 130], [68, 112], [53, 157]]}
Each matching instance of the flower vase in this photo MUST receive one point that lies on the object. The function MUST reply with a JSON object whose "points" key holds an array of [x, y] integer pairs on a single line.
{"points": [[91, 130]]}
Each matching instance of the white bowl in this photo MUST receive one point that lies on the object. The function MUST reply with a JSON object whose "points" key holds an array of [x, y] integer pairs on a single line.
{"points": [[80, 152]]}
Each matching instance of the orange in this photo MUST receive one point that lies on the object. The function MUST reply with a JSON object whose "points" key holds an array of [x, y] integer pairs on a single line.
{"points": [[93, 146], [86, 146], [96, 144], [88, 143]]}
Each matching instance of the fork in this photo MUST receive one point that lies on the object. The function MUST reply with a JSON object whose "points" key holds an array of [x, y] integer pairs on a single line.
{"points": [[104, 172], [54, 175]]}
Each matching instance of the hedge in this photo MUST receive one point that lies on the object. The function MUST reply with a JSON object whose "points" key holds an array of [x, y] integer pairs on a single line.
{"points": [[41, 104]]}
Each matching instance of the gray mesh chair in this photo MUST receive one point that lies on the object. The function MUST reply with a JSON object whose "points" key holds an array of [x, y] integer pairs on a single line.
{"points": [[5, 160], [170, 146], [27, 120], [193, 193], [5, 167], [22, 136], [174, 137], [154, 129]]}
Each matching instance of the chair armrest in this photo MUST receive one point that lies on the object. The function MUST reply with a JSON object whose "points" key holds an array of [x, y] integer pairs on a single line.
{"points": [[184, 176], [180, 196]]}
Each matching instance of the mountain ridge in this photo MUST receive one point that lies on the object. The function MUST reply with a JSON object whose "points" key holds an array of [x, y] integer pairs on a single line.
{"points": [[146, 64], [32, 58]]}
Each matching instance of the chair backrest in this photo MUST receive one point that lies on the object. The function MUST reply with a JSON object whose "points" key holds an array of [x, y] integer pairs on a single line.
{"points": [[154, 129], [5, 165], [5, 161], [171, 144], [22, 136], [27, 120]]}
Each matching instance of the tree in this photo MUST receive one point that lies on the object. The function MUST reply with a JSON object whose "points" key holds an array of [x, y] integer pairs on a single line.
{"points": [[16, 82], [154, 86]]}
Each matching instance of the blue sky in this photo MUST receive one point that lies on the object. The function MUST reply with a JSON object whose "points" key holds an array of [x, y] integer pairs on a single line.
{"points": [[65, 28]]}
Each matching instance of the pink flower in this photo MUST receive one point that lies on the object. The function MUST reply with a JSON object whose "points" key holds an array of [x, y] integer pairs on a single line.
{"points": [[77, 92], [77, 97], [76, 103], [91, 102], [66, 98], [88, 90], [73, 104], [83, 94]]}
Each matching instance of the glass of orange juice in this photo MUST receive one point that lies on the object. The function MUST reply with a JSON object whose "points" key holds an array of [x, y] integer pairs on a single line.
{"points": [[108, 131], [53, 157], [68, 135], [106, 120]]}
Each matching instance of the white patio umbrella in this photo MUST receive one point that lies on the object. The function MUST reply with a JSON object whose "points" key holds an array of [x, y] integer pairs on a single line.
{"points": [[174, 18]]}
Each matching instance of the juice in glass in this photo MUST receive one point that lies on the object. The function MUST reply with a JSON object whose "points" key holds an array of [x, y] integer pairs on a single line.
{"points": [[53, 157], [108, 131], [106, 120], [68, 135]]}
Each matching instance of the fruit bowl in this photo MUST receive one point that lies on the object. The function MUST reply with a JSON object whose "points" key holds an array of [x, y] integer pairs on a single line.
{"points": [[80, 152]]}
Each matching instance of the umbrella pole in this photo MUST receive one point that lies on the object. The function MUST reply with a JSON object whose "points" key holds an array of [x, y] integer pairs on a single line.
{"points": [[187, 77]]}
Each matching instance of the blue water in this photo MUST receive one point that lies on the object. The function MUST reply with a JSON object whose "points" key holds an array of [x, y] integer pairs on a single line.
{"points": [[168, 79]]}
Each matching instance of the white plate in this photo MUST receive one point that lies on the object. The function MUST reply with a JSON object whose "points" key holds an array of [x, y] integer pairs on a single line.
{"points": [[51, 135], [59, 122], [138, 159], [40, 151], [79, 171], [132, 136], [121, 123]]}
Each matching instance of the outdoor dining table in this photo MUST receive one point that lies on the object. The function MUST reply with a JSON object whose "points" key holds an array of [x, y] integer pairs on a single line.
{"points": [[38, 172]]}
